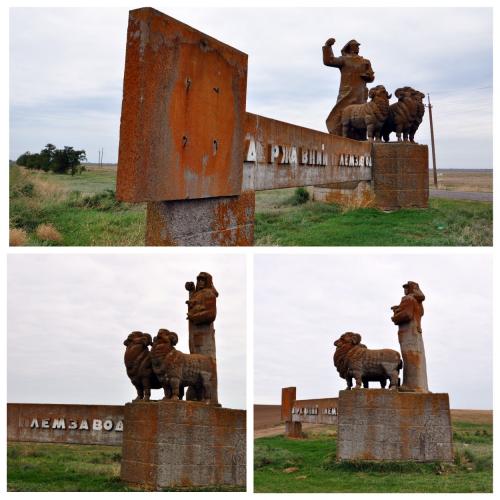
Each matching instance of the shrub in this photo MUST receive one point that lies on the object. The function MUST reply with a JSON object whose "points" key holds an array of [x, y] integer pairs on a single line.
{"points": [[17, 237], [300, 196], [330, 463], [47, 232], [102, 201], [278, 457]]}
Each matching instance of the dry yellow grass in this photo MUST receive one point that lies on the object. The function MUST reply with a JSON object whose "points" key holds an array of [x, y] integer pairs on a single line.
{"points": [[47, 232], [17, 237], [366, 200]]}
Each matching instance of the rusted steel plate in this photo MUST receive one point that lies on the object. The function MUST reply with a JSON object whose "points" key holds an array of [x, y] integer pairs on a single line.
{"points": [[281, 155], [183, 113], [315, 411], [65, 423]]}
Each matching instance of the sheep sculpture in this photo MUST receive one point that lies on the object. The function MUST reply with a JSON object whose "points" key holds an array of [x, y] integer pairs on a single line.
{"points": [[176, 370], [405, 115], [138, 364], [362, 120], [354, 360]]}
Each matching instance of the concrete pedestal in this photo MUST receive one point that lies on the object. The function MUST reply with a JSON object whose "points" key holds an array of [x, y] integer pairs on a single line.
{"points": [[400, 179], [183, 444], [357, 194], [400, 175], [221, 221], [380, 424], [293, 430]]}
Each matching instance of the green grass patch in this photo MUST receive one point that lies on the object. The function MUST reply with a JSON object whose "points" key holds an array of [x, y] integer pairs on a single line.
{"points": [[63, 467], [444, 223], [310, 466], [93, 180], [87, 216], [84, 210], [66, 467]]}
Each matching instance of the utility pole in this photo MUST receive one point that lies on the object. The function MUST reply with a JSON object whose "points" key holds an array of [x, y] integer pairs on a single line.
{"points": [[432, 142]]}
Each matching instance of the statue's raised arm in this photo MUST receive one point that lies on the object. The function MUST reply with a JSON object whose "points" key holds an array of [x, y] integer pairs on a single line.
{"points": [[328, 58]]}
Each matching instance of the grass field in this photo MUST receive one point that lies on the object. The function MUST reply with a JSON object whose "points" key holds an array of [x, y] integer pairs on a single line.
{"points": [[309, 466], [81, 210], [445, 223], [65, 467], [58, 467]]}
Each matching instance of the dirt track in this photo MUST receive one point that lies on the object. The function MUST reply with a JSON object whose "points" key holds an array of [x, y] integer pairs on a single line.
{"points": [[267, 419]]}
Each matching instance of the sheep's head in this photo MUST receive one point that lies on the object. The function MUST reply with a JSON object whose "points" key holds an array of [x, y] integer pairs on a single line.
{"points": [[404, 93], [379, 92], [138, 338], [165, 336], [418, 96], [350, 338]]}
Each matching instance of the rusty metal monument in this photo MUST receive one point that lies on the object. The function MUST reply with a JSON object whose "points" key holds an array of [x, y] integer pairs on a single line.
{"points": [[406, 423], [189, 148], [187, 438]]}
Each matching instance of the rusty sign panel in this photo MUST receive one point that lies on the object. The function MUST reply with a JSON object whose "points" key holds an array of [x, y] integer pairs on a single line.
{"points": [[281, 155], [315, 411], [65, 423], [183, 113]]}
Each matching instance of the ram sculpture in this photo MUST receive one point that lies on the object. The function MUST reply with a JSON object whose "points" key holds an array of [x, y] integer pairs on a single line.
{"points": [[360, 121], [176, 370], [354, 360], [138, 364]]}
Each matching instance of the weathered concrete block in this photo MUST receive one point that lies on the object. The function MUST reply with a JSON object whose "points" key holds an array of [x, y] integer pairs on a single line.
{"points": [[378, 424], [65, 423], [358, 193], [223, 221], [293, 429], [183, 444], [400, 175]]}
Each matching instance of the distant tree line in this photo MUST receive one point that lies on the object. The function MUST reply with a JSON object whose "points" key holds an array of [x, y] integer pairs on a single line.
{"points": [[51, 159]]}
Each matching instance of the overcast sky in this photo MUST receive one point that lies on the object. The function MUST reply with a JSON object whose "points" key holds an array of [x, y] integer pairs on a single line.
{"points": [[66, 69], [68, 316], [304, 303]]}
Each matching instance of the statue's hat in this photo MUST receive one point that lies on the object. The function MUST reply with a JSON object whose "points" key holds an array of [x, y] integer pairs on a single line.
{"points": [[346, 49]]}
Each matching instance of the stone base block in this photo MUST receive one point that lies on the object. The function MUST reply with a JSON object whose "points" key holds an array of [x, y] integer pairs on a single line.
{"points": [[400, 175], [353, 194], [222, 221], [183, 444], [380, 424], [293, 429]]}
